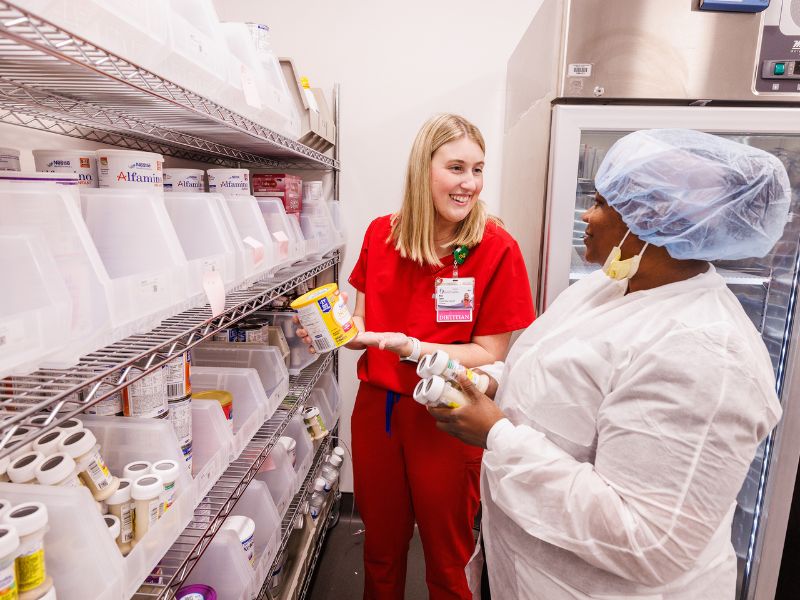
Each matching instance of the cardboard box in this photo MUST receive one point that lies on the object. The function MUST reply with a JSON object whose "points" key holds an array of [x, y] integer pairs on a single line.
{"points": [[289, 188]]}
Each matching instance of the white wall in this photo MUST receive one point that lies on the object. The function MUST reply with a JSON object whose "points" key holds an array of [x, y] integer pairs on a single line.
{"points": [[397, 63]]}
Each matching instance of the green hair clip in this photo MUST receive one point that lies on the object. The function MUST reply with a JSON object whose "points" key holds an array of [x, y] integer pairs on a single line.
{"points": [[460, 255]]}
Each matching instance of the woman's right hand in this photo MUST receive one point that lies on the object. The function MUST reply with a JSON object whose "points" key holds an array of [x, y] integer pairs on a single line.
{"points": [[360, 342]]}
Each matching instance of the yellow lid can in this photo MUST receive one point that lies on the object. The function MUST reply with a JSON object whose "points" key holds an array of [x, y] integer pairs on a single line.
{"points": [[326, 318]]}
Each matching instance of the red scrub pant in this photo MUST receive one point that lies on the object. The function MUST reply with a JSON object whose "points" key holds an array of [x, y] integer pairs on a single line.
{"points": [[414, 472]]}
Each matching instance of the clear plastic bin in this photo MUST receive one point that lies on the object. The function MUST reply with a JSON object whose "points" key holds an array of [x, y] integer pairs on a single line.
{"points": [[247, 270], [250, 405], [338, 223], [266, 360], [205, 240], [296, 429], [296, 234], [256, 503], [35, 316], [317, 223], [53, 210], [253, 232], [212, 444], [278, 473], [299, 356], [328, 384], [318, 398], [224, 567], [141, 253], [78, 548], [278, 223]]}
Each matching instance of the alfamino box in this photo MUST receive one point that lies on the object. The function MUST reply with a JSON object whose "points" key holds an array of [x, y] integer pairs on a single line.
{"points": [[289, 188]]}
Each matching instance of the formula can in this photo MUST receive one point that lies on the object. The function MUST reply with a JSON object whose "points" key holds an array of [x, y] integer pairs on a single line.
{"points": [[313, 420], [130, 168], [83, 163], [183, 180], [326, 318], [9, 159], [234, 182], [177, 377], [180, 415], [111, 406], [146, 397]]}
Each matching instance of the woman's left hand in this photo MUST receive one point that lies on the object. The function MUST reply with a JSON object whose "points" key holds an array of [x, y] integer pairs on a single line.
{"points": [[470, 423], [393, 341]]}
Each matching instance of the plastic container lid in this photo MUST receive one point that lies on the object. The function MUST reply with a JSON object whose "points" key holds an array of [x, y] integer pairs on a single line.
{"points": [[336, 461], [339, 451], [136, 469], [429, 390], [123, 493], [78, 443], [5, 506], [147, 487], [437, 362], [288, 442], [223, 397], [196, 592], [243, 527], [55, 469], [9, 540], [28, 517], [167, 469], [71, 425], [319, 484], [4, 462], [310, 412], [113, 525], [23, 468], [423, 365], [49, 443], [37, 420]]}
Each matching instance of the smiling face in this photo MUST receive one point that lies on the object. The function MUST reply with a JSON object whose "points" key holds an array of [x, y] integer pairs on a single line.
{"points": [[604, 230], [456, 180]]}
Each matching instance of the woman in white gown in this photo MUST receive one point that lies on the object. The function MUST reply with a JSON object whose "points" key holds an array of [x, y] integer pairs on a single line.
{"points": [[629, 412]]}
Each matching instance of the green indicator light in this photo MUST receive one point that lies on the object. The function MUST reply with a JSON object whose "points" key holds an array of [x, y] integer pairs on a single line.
{"points": [[780, 68]]}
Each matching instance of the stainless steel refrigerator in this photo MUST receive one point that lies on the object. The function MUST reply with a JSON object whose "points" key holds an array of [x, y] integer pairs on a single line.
{"points": [[589, 71]]}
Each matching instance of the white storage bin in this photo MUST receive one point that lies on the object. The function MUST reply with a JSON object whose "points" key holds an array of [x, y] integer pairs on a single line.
{"points": [[205, 240], [256, 503], [246, 270], [35, 314], [78, 548], [305, 450], [328, 384], [250, 408], [338, 223], [224, 567], [299, 356], [141, 253], [198, 56], [53, 210], [266, 360], [253, 232], [317, 223], [299, 240], [212, 444], [278, 473], [278, 223]]}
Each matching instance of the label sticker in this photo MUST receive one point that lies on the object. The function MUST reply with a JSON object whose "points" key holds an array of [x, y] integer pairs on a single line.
{"points": [[579, 70]]}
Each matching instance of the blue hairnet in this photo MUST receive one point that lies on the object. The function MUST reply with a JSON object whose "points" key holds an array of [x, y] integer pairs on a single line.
{"points": [[698, 195]]}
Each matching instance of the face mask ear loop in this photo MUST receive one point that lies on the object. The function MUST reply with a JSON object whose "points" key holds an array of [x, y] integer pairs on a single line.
{"points": [[624, 237], [646, 244]]}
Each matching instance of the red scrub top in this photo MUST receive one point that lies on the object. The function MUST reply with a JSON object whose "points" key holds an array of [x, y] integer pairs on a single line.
{"points": [[399, 297]]}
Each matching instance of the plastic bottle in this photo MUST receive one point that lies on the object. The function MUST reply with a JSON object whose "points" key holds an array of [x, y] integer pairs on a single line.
{"points": [[146, 494], [92, 469], [58, 470], [245, 529], [310, 99], [317, 498], [313, 420], [168, 470], [23, 468], [439, 363], [435, 391], [48, 443], [121, 506], [113, 525], [330, 472], [70, 426], [30, 521], [9, 548], [338, 451], [136, 469]]}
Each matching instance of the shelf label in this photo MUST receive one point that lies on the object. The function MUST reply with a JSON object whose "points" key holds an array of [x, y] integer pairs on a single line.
{"points": [[256, 249], [214, 288], [579, 70]]}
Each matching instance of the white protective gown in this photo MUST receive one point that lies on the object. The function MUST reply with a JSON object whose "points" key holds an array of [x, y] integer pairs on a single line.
{"points": [[632, 421]]}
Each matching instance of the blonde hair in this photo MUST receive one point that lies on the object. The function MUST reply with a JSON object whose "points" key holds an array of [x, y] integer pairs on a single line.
{"points": [[413, 226]]}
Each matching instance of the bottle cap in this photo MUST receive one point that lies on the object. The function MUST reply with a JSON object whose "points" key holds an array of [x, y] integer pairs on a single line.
{"points": [[78, 443], [147, 487], [336, 461], [5, 506], [123, 493], [168, 470], [112, 523], [4, 462], [422, 366], [429, 390], [288, 442], [319, 484], [23, 468], [27, 517], [438, 362], [55, 469], [9, 540], [136, 469], [48, 443], [339, 451], [39, 420], [70, 425]]}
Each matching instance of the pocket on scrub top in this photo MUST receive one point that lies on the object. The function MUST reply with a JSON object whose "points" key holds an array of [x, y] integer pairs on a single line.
{"points": [[564, 391]]}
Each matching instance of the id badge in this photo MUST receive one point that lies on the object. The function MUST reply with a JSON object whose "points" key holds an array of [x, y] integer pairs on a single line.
{"points": [[455, 299]]}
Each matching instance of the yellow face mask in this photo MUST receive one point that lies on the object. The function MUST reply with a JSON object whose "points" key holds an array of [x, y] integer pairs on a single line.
{"points": [[620, 270]]}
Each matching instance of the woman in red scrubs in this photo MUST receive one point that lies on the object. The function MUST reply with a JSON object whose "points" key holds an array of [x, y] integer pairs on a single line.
{"points": [[413, 273]]}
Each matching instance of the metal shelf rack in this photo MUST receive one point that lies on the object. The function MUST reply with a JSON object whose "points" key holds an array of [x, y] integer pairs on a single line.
{"points": [[54, 391], [218, 503], [55, 81]]}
